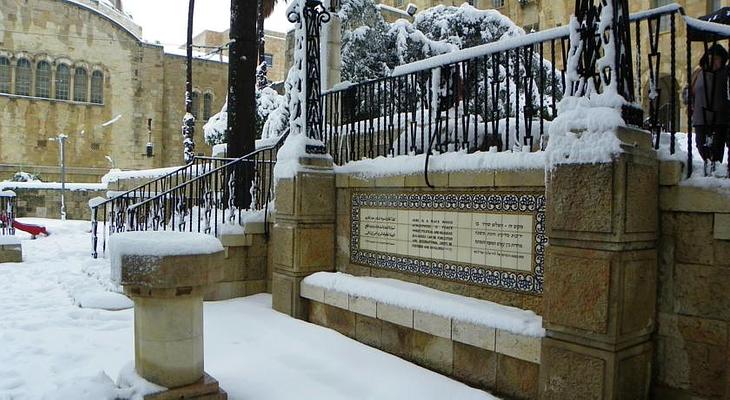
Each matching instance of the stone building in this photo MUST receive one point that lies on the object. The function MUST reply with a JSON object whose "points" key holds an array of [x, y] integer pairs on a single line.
{"points": [[213, 42], [72, 66]]}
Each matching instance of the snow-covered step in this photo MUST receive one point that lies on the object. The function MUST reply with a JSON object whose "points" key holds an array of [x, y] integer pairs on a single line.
{"points": [[507, 330]]}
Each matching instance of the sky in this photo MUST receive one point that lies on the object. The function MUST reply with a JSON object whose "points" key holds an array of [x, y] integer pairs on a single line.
{"points": [[166, 20]]}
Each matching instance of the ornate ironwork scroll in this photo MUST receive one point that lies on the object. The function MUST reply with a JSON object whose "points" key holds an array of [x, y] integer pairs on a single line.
{"points": [[315, 14], [597, 38]]}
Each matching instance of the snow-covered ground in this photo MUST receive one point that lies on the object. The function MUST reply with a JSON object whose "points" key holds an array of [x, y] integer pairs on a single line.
{"points": [[51, 348]]}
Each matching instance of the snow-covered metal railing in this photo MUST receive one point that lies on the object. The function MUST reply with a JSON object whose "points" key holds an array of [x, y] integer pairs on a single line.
{"points": [[504, 94], [7, 212], [205, 203], [111, 213]]}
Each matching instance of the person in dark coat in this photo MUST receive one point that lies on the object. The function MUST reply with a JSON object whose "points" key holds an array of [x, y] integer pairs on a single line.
{"points": [[711, 105]]}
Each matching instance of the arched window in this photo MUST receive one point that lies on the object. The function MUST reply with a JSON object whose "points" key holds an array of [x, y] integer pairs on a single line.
{"points": [[195, 98], [80, 84], [23, 77], [5, 78], [97, 87], [43, 79], [63, 82], [207, 106]]}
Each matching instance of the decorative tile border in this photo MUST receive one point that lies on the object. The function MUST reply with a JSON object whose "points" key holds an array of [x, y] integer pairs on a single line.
{"points": [[493, 202]]}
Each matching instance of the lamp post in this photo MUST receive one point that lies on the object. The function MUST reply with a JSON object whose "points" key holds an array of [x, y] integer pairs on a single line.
{"points": [[61, 139]]}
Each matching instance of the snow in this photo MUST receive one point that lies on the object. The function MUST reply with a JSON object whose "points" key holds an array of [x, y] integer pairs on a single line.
{"points": [[52, 185], [7, 193], [220, 150], [446, 162], [104, 300], [101, 387], [294, 148], [483, 50], [393, 10], [158, 244], [214, 131], [116, 174], [52, 349], [111, 121], [420, 298], [583, 132], [96, 201], [239, 227], [717, 182], [9, 240], [667, 9], [198, 55], [706, 26], [122, 19]]}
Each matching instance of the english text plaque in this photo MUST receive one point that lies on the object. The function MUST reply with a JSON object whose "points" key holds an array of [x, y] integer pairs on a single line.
{"points": [[493, 239]]}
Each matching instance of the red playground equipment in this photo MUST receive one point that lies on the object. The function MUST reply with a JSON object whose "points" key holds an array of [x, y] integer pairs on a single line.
{"points": [[33, 230]]}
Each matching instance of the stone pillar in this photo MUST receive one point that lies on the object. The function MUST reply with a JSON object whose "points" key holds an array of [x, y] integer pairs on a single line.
{"points": [[600, 275], [333, 75], [167, 291], [304, 233]]}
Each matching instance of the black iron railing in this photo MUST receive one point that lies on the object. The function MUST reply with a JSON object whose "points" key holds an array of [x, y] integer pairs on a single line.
{"points": [[205, 203], [7, 212], [111, 213], [502, 95]]}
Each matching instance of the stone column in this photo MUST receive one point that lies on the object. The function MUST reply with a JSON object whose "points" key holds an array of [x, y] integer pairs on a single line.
{"points": [[600, 275], [334, 52], [167, 291], [304, 233]]}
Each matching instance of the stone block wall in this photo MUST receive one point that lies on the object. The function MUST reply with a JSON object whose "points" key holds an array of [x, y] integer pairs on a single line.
{"points": [[692, 342], [500, 374], [244, 266], [516, 180], [46, 203]]}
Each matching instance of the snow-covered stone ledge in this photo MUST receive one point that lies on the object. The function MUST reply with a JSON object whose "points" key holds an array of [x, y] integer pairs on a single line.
{"points": [[453, 170], [506, 330], [456, 169]]}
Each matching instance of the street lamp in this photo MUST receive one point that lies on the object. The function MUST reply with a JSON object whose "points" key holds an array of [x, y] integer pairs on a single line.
{"points": [[61, 139]]}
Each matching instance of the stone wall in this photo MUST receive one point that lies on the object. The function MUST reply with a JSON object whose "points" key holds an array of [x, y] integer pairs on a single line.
{"points": [[529, 181], [491, 370], [692, 344], [141, 82], [46, 203]]}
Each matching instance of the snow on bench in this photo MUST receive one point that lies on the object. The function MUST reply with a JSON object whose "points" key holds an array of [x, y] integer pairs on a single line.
{"points": [[9, 240], [485, 324]]}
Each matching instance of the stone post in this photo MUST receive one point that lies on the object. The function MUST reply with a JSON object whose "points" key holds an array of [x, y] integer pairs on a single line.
{"points": [[600, 275], [333, 69], [304, 233], [167, 291]]}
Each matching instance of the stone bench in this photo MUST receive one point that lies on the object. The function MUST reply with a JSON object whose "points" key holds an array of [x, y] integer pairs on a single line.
{"points": [[165, 274], [501, 329], [10, 249]]}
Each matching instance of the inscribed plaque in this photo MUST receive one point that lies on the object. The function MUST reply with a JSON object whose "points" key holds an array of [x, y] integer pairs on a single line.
{"points": [[491, 238]]}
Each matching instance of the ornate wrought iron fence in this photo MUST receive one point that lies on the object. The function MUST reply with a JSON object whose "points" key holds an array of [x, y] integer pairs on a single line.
{"points": [[502, 95], [111, 213], [7, 212], [205, 203]]}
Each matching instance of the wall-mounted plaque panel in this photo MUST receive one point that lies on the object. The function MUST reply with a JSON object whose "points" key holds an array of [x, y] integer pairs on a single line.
{"points": [[494, 239]]}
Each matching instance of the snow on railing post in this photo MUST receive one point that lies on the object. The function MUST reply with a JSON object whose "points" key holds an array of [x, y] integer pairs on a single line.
{"points": [[600, 54], [305, 102]]}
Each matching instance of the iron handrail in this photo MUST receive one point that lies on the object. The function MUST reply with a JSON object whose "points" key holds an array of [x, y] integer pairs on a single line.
{"points": [[258, 202]]}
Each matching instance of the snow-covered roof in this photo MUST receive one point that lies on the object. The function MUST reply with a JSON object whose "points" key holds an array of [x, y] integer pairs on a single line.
{"points": [[106, 9], [177, 51]]}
